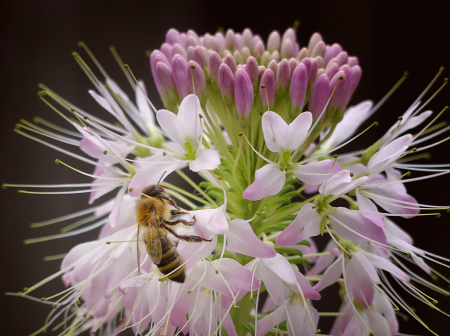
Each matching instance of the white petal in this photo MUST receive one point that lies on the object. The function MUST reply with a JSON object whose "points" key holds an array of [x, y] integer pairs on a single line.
{"points": [[218, 222], [207, 159], [274, 128], [387, 265], [142, 104], [316, 172], [269, 180], [188, 119], [296, 132], [281, 267], [330, 276], [168, 122], [366, 205]]}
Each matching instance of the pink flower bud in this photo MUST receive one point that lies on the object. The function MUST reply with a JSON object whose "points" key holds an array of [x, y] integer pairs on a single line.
{"points": [[226, 81], [274, 41], [230, 40], [342, 58], [180, 75], [331, 70], [195, 72], [164, 75], [252, 68], [238, 41], [258, 49], [299, 84], [243, 92], [339, 91], [190, 53], [287, 48], [210, 42], [293, 64], [331, 52], [356, 76], [178, 49], [214, 63], [166, 49], [192, 36], [238, 57], [275, 56], [347, 87], [313, 71], [173, 36], [267, 80], [220, 41], [283, 74], [315, 38], [245, 53], [352, 61], [319, 50], [201, 56], [157, 56], [302, 54], [231, 62], [247, 39], [319, 96], [192, 42], [320, 61], [289, 34], [273, 65], [265, 58], [261, 70]]}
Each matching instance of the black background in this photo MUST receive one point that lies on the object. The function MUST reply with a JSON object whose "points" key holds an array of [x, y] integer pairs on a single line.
{"points": [[37, 38]]}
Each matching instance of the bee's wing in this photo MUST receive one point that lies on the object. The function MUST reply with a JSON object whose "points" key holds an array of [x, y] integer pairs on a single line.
{"points": [[154, 247]]}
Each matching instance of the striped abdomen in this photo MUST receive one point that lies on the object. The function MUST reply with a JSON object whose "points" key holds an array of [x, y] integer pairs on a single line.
{"points": [[171, 260]]}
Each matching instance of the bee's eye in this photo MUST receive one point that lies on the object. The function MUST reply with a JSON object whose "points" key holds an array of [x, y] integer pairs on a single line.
{"points": [[157, 191]]}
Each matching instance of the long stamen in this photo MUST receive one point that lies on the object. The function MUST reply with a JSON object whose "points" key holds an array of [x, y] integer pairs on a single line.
{"points": [[389, 94], [126, 66], [430, 123]]}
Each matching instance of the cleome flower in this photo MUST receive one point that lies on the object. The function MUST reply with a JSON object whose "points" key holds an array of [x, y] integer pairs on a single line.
{"points": [[232, 250]]}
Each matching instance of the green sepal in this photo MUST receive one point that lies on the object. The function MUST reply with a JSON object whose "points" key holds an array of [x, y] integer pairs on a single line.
{"points": [[288, 250], [249, 327]]}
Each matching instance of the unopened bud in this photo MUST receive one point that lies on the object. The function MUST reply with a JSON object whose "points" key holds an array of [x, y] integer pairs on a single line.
{"points": [[319, 95], [265, 58], [220, 41], [283, 74], [201, 56], [163, 76], [258, 49], [352, 61], [302, 54], [287, 49], [214, 62], [298, 86], [243, 92], [339, 91], [177, 49], [226, 81], [180, 75], [195, 74], [267, 80], [332, 52], [247, 39], [319, 50], [231, 62], [356, 76], [173, 36], [252, 68], [274, 41], [230, 40], [273, 65], [315, 38], [166, 49], [341, 58]]}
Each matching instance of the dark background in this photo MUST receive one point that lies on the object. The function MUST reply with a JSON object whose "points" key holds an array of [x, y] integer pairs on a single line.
{"points": [[38, 37]]}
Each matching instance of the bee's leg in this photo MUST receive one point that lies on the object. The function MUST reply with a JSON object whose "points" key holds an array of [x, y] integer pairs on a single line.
{"points": [[178, 212], [190, 239], [182, 221]]}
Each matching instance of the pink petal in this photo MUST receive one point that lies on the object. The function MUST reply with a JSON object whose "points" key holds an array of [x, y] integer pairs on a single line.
{"points": [[168, 122], [236, 274], [269, 180], [306, 224], [359, 283], [242, 239], [142, 104], [275, 286], [194, 252], [218, 222], [387, 265], [114, 215], [270, 321], [282, 268], [151, 172], [201, 225], [355, 222], [316, 172], [366, 205], [388, 154], [207, 159], [366, 266], [308, 291], [188, 119], [322, 262], [330, 276]]}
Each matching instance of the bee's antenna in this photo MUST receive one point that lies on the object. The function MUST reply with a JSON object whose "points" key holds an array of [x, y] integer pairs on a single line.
{"points": [[161, 177]]}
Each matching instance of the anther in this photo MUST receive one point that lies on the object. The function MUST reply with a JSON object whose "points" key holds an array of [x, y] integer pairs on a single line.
{"points": [[438, 215], [445, 80], [351, 174], [263, 86], [240, 133], [335, 156], [448, 209], [54, 306], [75, 54], [192, 66], [400, 118], [4, 186], [408, 173], [296, 25], [85, 117], [108, 242], [43, 298], [105, 152], [341, 77], [78, 302], [121, 320], [148, 53], [85, 315], [408, 254], [318, 331], [57, 161], [25, 289]]}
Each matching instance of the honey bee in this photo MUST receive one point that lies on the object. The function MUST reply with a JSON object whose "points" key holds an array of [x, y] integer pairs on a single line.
{"points": [[154, 218]]}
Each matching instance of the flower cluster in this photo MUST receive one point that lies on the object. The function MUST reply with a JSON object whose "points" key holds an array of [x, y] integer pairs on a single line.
{"points": [[260, 124]]}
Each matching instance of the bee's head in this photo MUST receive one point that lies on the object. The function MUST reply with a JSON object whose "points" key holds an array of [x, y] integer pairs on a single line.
{"points": [[154, 191]]}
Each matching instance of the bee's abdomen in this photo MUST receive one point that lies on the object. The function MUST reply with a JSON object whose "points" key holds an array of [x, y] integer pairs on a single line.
{"points": [[171, 260]]}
